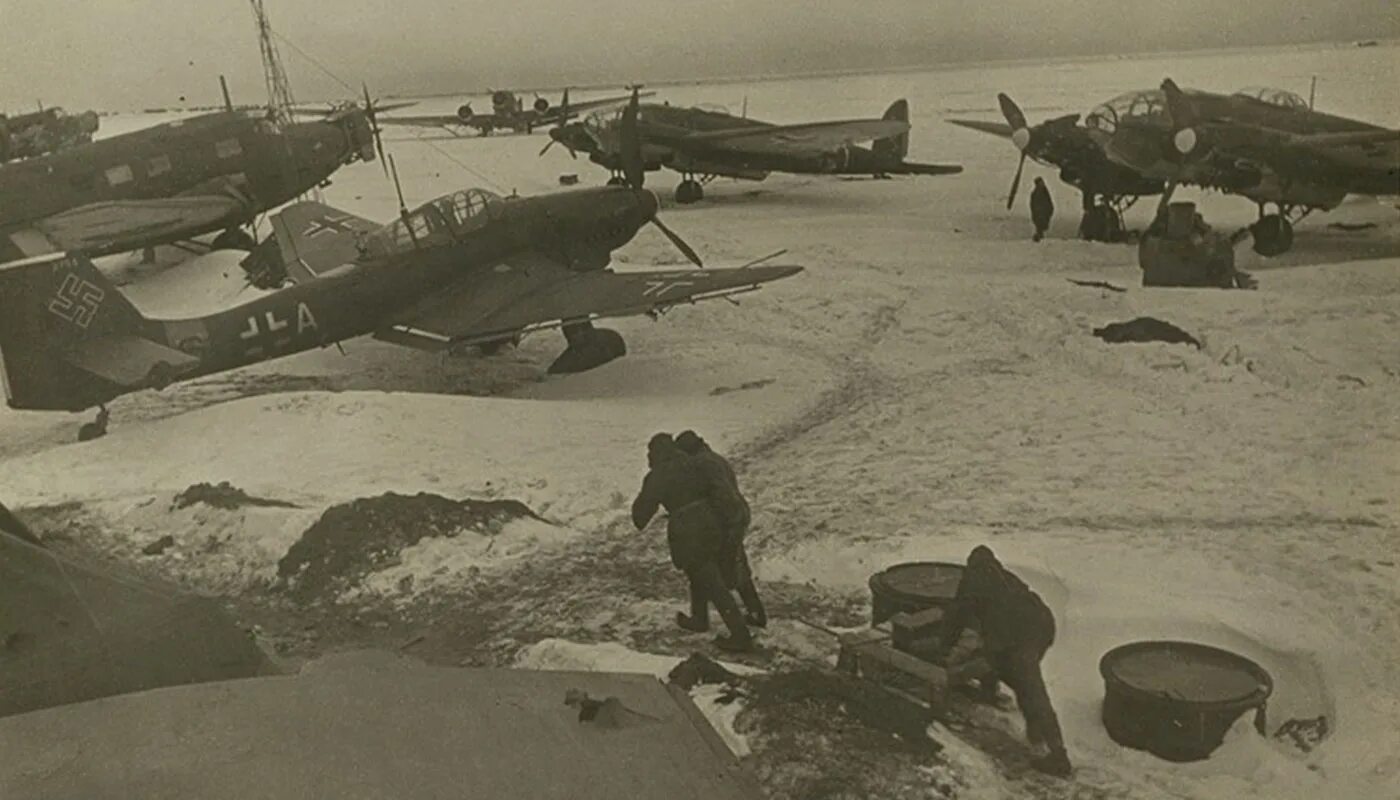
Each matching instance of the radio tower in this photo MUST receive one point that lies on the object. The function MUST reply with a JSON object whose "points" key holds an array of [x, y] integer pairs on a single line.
{"points": [[279, 90]]}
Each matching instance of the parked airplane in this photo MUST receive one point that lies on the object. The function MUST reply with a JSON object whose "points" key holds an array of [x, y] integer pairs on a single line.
{"points": [[508, 111], [1268, 145], [1064, 143], [47, 130], [469, 268], [1264, 144], [173, 182], [702, 144]]}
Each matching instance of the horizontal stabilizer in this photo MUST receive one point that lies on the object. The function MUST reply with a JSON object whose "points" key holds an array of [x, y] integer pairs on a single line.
{"points": [[130, 361]]}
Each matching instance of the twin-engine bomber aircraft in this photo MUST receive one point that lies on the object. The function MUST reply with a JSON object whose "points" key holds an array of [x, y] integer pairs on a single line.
{"points": [[698, 142], [508, 111], [470, 268], [1268, 145]]}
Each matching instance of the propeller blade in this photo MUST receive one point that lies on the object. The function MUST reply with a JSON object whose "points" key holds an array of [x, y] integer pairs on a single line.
{"points": [[547, 145], [1016, 182], [374, 129], [1179, 107], [678, 242], [632, 167], [1012, 112]]}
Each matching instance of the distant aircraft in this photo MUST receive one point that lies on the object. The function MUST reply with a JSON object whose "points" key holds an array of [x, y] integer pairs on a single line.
{"points": [[1064, 143], [702, 144], [173, 182], [508, 111], [47, 130], [1264, 144], [469, 268]]}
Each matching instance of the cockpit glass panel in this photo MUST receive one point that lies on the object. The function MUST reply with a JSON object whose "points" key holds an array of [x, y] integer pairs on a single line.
{"points": [[1140, 105], [436, 221], [1274, 97]]}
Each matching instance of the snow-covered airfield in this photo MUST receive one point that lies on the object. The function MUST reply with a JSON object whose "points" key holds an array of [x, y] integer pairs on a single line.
{"points": [[928, 383]]}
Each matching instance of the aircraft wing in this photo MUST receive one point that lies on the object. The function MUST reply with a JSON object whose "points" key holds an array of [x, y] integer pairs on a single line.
{"points": [[995, 128], [531, 295], [1363, 162], [806, 138], [555, 113], [116, 225], [314, 238], [440, 121]]}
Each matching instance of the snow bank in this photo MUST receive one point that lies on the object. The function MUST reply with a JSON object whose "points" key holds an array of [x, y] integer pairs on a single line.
{"points": [[719, 710]]}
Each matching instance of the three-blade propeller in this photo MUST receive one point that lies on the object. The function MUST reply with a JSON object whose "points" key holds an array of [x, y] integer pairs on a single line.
{"points": [[1183, 117], [1022, 135], [371, 114], [634, 169], [555, 133]]}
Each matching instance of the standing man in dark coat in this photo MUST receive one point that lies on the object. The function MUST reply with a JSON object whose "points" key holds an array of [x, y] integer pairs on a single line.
{"points": [[1016, 629], [734, 560], [700, 507], [1042, 209]]}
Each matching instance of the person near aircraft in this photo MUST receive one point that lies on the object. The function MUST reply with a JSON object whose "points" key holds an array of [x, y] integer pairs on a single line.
{"points": [[700, 507], [734, 559], [1016, 630], [1042, 209]]}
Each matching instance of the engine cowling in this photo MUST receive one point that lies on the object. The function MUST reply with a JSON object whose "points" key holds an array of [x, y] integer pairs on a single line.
{"points": [[541, 105], [464, 112]]}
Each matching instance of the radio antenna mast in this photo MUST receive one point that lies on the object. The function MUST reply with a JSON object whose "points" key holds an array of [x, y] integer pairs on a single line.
{"points": [[279, 90]]}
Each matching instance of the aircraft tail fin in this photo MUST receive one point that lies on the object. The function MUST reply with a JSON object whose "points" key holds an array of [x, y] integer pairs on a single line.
{"points": [[894, 148], [56, 312]]}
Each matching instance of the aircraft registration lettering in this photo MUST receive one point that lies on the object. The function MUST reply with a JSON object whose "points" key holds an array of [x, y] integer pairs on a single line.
{"points": [[271, 325]]}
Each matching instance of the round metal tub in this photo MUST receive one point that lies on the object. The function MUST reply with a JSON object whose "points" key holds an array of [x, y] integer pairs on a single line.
{"points": [[1176, 700], [912, 586]]}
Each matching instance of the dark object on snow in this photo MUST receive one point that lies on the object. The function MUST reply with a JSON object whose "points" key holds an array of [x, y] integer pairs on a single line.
{"points": [[1145, 329], [1304, 734], [913, 586], [697, 670], [1352, 226], [225, 495], [1097, 285], [72, 633], [159, 546], [1182, 250], [95, 429], [1176, 700]]}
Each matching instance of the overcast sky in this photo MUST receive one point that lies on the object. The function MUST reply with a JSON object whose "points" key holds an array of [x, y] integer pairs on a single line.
{"points": [[121, 54]]}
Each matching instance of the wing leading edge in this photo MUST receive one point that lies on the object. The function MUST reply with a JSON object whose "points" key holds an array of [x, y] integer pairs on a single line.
{"points": [[518, 299]]}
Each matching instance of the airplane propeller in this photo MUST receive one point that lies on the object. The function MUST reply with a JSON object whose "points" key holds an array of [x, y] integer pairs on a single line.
{"points": [[371, 115], [634, 171], [1021, 135], [563, 120], [1182, 113]]}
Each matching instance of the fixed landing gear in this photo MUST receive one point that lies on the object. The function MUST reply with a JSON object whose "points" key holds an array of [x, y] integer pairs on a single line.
{"points": [[589, 347], [1102, 220], [689, 190], [233, 239], [1273, 233], [95, 429]]}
